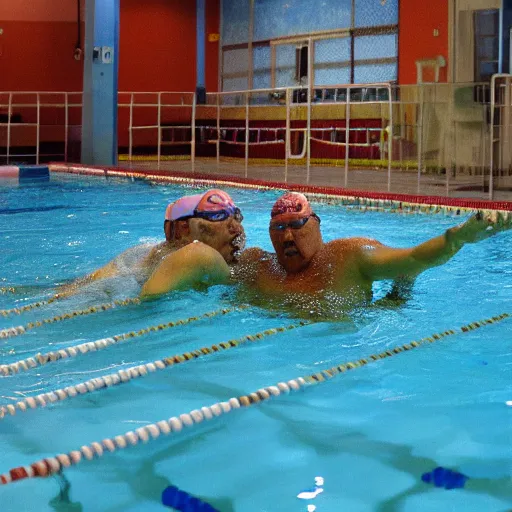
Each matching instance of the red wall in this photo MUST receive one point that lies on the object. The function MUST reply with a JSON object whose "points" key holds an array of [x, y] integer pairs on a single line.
{"points": [[157, 45], [158, 53], [417, 22], [37, 44]]}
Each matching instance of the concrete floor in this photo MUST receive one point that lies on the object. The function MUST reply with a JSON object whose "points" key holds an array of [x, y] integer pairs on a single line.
{"points": [[406, 182]]}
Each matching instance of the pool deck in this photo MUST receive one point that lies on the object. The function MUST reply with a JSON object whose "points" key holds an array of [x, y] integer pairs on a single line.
{"points": [[375, 180]]}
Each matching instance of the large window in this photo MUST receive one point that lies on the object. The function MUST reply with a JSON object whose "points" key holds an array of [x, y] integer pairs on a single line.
{"points": [[344, 41]]}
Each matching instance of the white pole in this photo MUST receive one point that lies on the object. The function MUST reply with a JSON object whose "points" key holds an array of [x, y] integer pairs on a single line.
{"points": [[420, 136], [66, 126], [308, 122], [193, 136], [9, 114], [491, 137], [37, 128], [390, 136], [247, 96], [347, 133], [287, 135], [130, 130], [218, 132], [159, 130]]}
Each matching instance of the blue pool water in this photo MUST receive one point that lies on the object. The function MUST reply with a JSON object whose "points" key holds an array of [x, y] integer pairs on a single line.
{"points": [[370, 433]]}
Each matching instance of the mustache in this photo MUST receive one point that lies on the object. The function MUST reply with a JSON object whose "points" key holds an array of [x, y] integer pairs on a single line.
{"points": [[288, 244]]}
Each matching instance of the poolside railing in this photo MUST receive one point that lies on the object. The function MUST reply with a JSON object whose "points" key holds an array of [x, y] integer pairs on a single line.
{"points": [[432, 137]]}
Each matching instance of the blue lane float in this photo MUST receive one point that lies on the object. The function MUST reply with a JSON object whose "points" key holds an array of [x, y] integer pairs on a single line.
{"points": [[182, 501], [445, 478], [24, 173]]}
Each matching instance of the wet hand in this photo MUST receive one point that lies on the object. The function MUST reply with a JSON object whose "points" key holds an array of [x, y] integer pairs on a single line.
{"points": [[482, 225]]}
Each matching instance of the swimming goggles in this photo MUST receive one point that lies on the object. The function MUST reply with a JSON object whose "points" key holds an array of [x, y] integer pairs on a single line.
{"points": [[294, 224], [220, 215]]}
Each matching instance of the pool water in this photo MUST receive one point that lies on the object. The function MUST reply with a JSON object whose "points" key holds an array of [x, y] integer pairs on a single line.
{"points": [[370, 433]]}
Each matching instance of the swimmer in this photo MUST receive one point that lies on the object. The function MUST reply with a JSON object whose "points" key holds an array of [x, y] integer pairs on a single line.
{"points": [[315, 277], [203, 236]]}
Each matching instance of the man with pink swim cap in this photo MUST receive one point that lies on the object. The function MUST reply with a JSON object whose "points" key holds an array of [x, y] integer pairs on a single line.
{"points": [[329, 279], [203, 235]]}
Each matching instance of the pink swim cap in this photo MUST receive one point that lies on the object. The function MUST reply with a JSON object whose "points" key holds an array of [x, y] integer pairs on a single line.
{"points": [[291, 202], [210, 201]]}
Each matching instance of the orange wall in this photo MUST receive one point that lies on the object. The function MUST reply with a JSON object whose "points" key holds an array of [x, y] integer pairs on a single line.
{"points": [[37, 44], [38, 10], [417, 22], [158, 53], [157, 45]]}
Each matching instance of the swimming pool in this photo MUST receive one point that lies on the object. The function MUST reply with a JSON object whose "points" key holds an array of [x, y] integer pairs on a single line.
{"points": [[370, 433]]}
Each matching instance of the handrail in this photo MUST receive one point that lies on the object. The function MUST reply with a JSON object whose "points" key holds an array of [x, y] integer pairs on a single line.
{"points": [[508, 78], [402, 100], [37, 105]]}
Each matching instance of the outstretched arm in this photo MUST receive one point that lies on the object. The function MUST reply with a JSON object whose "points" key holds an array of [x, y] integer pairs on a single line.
{"points": [[381, 262], [191, 265], [108, 270], [111, 269]]}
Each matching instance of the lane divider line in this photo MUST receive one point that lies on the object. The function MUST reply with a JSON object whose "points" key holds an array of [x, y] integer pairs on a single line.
{"points": [[448, 204], [127, 374], [11, 332], [7, 289], [28, 307], [93, 346], [176, 424]]}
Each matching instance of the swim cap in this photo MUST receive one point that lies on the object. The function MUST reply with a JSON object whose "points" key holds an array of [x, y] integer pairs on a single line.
{"points": [[210, 201], [291, 202]]}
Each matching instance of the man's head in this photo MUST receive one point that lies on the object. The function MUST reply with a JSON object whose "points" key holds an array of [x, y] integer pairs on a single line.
{"points": [[211, 218], [295, 232]]}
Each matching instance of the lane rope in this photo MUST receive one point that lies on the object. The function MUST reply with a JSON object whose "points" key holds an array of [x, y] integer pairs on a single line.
{"points": [[418, 203], [7, 289], [28, 307], [176, 424], [11, 332], [127, 374], [93, 346]]}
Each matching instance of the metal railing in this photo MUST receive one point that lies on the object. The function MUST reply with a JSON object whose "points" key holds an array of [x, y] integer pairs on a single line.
{"points": [[500, 130], [436, 137], [27, 109]]}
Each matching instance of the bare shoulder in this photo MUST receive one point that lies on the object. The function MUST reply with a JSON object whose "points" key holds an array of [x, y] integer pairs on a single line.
{"points": [[347, 255], [355, 245], [197, 252]]}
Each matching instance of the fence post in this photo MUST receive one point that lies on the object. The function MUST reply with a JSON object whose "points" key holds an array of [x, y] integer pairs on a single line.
{"points": [[130, 130], [419, 132], [9, 114], [390, 136], [66, 126], [287, 135], [347, 133], [193, 135], [218, 132], [308, 123], [159, 130], [247, 97], [37, 127]]}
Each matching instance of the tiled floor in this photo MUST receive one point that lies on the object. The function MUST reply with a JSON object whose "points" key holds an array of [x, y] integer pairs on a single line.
{"points": [[462, 185]]}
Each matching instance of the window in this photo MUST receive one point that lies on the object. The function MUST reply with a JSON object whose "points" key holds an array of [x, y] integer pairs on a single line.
{"points": [[486, 23], [301, 64]]}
